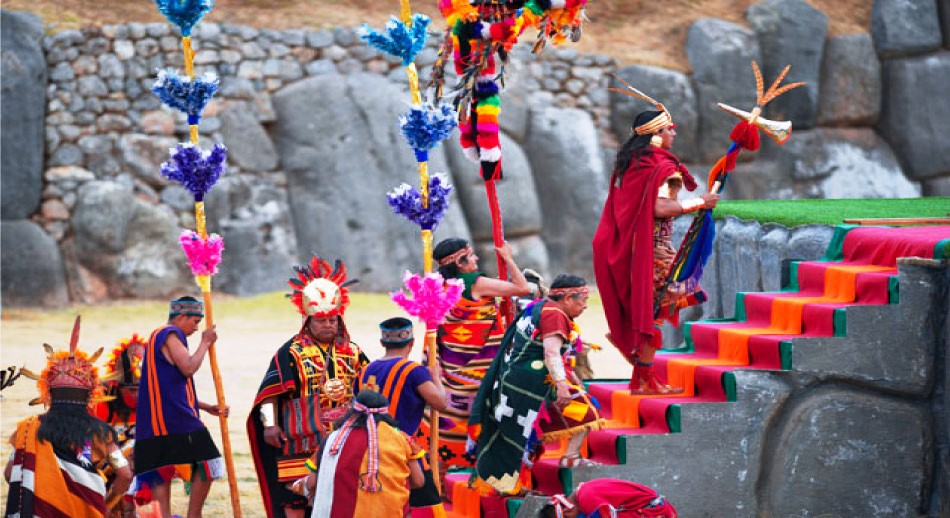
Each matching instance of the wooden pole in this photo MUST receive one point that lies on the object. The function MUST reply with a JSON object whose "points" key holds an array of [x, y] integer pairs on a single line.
{"points": [[204, 281], [430, 342]]}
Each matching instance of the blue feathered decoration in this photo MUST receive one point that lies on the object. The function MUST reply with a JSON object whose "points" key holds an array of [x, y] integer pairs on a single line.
{"points": [[196, 169], [425, 126], [406, 201], [185, 13], [184, 93], [400, 41]]}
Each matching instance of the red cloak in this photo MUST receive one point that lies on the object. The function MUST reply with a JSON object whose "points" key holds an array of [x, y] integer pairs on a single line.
{"points": [[623, 247]]}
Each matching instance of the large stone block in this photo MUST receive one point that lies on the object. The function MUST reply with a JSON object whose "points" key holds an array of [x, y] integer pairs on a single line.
{"points": [[23, 110], [143, 155], [791, 32], [850, 90], [568, 168], [129, 245], [773, 254], [249, 146], [842, 163], [340, 164], [666, 86], [904, 27], [517, 196], [250, 213], [728, 265], [915, 117], [719, 53], [849, 453], [809, 242], [32, 269]]}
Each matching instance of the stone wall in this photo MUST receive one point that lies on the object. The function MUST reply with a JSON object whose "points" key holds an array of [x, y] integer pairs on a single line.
{"points": [[313, 145]]}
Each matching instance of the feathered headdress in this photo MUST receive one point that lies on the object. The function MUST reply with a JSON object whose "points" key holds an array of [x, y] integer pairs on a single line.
{"points": [[71, 369], [319, 290], [123, 366], [663, 120]]}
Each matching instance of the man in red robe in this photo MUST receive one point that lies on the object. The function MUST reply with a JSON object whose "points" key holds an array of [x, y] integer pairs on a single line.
{"points": [[632, 244]]}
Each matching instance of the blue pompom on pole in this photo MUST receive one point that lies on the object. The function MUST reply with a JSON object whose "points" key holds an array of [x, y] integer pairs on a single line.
{"points": [[184, 13], [425, 126], [195, 169], [400, 40], [188, 95]]}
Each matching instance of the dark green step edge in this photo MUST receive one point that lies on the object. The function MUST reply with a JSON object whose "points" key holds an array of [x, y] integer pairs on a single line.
{"points": [[513, 505]]}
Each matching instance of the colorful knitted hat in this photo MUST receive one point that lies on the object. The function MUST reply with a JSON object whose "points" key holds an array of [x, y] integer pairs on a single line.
{"points": [[72, 369], [396, 331], [319, 290]]}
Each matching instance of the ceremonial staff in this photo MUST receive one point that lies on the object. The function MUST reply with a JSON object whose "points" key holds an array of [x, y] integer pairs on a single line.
{"points": [[424, 127], [697, 245], [198, 171]]}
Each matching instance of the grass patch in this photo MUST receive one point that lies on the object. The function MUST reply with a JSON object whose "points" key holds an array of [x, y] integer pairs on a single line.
{"points": [[793, 213]]}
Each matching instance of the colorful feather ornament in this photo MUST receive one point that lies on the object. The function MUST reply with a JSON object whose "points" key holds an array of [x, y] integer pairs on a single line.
{"points": [[425, 126], [430, 298], [406, 201], [186, 94], [400, 40], [196, 169], [185, 13], [204, 255]]}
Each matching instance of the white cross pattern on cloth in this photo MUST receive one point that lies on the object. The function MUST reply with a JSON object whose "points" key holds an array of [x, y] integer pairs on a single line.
{"points": [[527, 422], [503, 410]]}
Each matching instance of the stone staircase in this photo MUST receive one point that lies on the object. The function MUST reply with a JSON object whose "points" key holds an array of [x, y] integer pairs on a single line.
{"points": [[827, 381]]}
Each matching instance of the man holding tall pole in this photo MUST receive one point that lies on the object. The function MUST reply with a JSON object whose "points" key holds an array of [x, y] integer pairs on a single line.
{"points": [[170, 437]]}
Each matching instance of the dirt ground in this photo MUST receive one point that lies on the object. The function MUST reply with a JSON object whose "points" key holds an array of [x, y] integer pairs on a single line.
{"points": [[249, 331], [632, 31]]}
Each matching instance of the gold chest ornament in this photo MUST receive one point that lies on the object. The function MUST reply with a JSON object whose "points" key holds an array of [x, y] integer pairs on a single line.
{"points": [[335, 389]]}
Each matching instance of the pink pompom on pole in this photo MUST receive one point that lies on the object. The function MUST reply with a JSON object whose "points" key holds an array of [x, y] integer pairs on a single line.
{"points": [[430, 298], [203, 254]]}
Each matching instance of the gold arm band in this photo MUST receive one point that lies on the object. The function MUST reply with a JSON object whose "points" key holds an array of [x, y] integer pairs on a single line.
{"points": [[268, 417], [117, 460], [555, 368], [692, 205]]}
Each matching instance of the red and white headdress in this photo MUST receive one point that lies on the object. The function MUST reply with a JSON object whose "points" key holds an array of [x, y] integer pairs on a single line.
{"points": [[319, 290], [71, 369]]}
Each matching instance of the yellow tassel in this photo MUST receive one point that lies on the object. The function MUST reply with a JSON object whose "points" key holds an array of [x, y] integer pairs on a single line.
{"points": [[200, 219], [204, 282], [193, 130], [426, 251]]}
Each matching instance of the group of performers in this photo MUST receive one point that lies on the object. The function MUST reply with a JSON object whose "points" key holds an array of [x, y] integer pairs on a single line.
{"points": [[331, 427]]}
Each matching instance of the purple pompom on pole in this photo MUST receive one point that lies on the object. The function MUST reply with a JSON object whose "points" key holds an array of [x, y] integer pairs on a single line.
{"points": [[406, 201], [196, 169]]}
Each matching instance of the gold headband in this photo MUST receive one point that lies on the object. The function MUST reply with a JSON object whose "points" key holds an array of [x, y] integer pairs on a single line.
{"points": [[663, 120], [579, 290], [451, 258]]}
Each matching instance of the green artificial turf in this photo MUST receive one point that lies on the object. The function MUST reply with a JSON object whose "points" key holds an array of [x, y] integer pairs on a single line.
{"points": [[831, 212]]}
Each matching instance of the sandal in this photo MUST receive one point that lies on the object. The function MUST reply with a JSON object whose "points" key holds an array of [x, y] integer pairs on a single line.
{"points": [[574, 460]]}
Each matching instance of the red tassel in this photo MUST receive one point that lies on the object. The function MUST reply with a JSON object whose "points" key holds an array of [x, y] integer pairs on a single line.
{"points": [[746, 135]]}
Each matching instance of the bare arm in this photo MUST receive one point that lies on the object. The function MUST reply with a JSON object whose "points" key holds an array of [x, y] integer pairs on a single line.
{"points": [[417, 478], [518, 286], [188, 364], [434, 394], [552, 354], [667, 208]]}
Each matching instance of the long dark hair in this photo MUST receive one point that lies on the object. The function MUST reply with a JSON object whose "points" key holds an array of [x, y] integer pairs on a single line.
{"points": [[636, 146], [445, 248], [68, 426]]}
